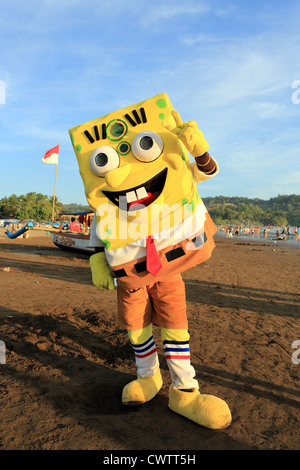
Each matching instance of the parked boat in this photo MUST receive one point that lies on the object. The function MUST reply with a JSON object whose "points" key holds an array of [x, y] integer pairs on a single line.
{"points": [[72, 242], [77, 242], [18, 233]]}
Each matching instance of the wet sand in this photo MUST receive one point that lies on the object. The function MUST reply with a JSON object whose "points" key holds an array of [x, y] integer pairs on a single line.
{"points": [[67, 360]]}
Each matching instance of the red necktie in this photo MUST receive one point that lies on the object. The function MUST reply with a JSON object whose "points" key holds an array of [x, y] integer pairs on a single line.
{"points": [[153, 263]]}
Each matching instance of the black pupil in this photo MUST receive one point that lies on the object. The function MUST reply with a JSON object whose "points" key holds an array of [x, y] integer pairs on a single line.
{"points": [[146, 143], [123, 148], [101, 159]]}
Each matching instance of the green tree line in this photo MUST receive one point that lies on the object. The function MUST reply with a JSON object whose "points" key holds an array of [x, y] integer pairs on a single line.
{"points": [[32, 205], [279, 211], [282, 210]]}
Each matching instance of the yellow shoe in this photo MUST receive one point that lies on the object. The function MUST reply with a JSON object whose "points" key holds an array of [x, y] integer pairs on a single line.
{"points": [[141, 390], [206, 410]]}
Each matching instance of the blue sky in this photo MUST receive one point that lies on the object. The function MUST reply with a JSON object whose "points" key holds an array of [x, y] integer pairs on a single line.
{"points": [[229, 65]]}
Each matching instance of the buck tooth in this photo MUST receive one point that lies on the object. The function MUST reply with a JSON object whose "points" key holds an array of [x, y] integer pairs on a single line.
{"points": [[141, 193], [130, 197]]}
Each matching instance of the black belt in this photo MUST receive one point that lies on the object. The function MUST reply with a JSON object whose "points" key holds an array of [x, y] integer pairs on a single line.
{"points": [[170, 256]]}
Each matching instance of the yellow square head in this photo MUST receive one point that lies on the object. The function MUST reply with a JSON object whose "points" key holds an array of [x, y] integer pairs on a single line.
{"points": [[128, 160]]}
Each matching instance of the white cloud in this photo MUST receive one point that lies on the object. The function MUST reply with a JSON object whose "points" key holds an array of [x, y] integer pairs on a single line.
{"points": [[165, 11], [291, 179], [270, 110], [172, 10], [204, 38]]}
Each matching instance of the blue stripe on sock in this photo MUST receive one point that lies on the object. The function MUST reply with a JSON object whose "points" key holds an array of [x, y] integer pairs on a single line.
{"points": [[138, 350], [176, 349]]}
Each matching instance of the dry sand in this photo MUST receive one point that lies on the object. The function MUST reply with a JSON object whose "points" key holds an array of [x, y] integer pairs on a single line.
{"points": [[67, 360]]}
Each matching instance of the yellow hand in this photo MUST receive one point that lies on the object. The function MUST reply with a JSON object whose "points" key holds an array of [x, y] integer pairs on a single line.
{"points": [[101, 272], [189, 134]]}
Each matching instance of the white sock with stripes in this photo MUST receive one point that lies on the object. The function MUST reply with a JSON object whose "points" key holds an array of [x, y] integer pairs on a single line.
{"points": [[146, 358], [177, 354]]}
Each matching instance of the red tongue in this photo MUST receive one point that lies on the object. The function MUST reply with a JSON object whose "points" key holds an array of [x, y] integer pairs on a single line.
{"points": [[144, 201]]}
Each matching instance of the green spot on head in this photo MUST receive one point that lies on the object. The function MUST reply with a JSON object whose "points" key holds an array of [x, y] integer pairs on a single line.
{"points": [[184, 201], [78, 147], [161, 116], [183, 157], [72, 138], [109, 232], [161, 103]]}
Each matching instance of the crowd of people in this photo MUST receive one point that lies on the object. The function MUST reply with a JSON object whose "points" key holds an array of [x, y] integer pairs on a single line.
{"points": [[280, 233], [238, 231]]}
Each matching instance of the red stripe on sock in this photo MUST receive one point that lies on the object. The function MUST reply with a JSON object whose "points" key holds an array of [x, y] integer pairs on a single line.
{"points": [[178, 357], [145, 355]]}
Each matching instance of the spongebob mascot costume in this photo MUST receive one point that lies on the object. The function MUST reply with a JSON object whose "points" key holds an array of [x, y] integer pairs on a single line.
{"points": [[149, 226]]}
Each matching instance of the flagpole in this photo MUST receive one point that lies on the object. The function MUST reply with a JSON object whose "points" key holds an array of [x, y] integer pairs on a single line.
{"points": [[53, 202]]}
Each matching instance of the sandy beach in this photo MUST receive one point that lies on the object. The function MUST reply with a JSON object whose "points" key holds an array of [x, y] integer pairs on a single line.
{"points": [[67, 360]]}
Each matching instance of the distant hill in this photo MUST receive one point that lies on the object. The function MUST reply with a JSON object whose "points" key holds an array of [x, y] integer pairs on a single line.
{"points": [[282, 210], [73, 207]]}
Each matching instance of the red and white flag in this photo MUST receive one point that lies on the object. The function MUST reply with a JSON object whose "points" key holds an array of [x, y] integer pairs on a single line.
{"points": [[51, 156]]}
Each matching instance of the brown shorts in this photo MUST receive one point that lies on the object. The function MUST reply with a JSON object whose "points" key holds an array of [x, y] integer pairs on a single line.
{"points": [[162, 303]]}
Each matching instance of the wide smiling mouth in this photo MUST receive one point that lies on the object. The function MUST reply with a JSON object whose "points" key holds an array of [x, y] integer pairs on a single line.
{"points": [[140, 196]]}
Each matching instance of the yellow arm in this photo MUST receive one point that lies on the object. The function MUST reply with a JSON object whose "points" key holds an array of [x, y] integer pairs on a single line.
{"points": [[101, 272]]}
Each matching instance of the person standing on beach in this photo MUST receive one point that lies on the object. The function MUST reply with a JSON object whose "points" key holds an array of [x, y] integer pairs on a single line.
{"points": [[265, 233]]}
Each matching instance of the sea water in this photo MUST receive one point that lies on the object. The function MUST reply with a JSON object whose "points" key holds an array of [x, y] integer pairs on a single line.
{"points": [[259, 237]]}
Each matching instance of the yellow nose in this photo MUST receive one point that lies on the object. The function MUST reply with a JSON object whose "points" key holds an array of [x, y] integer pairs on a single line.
{"points": [[116, 177]]}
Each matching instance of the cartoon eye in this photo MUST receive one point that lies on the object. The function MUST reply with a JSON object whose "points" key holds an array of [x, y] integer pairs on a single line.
{"points": [[104, 159], [147, 146]]}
